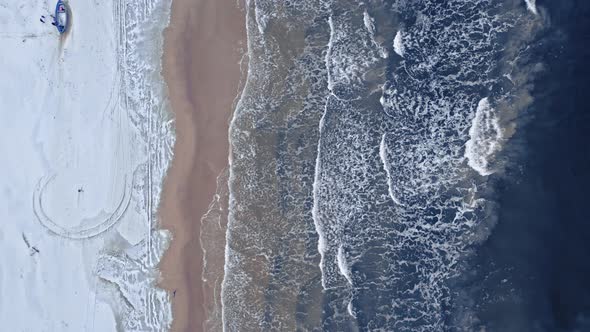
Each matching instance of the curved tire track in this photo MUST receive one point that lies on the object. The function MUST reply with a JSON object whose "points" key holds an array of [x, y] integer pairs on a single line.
{"points": [[79, 232]]}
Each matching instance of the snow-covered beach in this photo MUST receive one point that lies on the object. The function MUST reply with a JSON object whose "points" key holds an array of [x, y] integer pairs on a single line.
{"points": [[86, 142]]}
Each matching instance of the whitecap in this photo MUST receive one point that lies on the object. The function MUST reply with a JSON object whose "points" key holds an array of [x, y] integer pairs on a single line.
{"points": [[398, 45], [532, 6], [387, 168], [370, 26], [369, 22], [485, 135], [261, 19], [315, 209], [343, 265], [350, 309]]}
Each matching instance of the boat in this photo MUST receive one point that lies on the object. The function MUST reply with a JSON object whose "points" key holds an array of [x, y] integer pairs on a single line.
{"points": [[61, 19]]}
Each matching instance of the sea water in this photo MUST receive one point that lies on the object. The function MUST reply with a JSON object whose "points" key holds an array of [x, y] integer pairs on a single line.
{"points": [[365, 151]]}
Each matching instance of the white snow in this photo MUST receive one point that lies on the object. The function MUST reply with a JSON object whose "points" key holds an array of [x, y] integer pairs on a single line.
{"points": [[79, 177]]}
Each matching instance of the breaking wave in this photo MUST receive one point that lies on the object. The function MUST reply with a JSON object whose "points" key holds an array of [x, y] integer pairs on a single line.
{"points": [[485, 136]]}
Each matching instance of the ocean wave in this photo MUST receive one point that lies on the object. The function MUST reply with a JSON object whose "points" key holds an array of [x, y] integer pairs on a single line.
{"points": [[531, 5], [270, 189], [485, 136], [351, 184], [398, 43]]}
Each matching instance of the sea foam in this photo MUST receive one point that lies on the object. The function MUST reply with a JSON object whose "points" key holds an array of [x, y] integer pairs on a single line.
{"points": [[387, 168], [370, 26], [398, 44], [485, 135], [315, 209], [532, 6], [343, 265]]}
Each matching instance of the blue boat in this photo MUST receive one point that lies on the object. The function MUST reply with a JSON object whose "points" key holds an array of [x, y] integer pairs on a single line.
{"points": [[61, 19]]}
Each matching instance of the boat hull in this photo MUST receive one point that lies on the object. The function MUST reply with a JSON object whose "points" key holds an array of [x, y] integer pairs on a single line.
{"points": [[61, 16]]}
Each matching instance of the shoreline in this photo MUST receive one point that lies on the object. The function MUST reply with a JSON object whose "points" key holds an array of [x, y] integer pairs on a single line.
{"points": [[201, 66]]}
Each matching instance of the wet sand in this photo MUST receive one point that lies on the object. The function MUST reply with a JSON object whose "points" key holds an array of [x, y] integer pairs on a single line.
{"points": [[202, 51]]}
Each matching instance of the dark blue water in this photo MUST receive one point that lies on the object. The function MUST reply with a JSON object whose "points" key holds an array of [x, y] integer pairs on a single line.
{"points": [[533, 272]]}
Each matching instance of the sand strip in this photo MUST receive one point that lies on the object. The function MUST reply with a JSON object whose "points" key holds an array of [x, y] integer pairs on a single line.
{"points": [[201, 67]]}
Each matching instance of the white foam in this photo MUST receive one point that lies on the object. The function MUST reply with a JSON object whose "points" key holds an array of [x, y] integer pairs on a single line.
{"points": [[348, 60], [350, 309], [229, 256], [329, 53], [387, 168], [322, 245], [316, 197], [398, 44], [261, 19], [369, 22], [531, 5], [343, 266], [370, 26], [485, 136]]}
